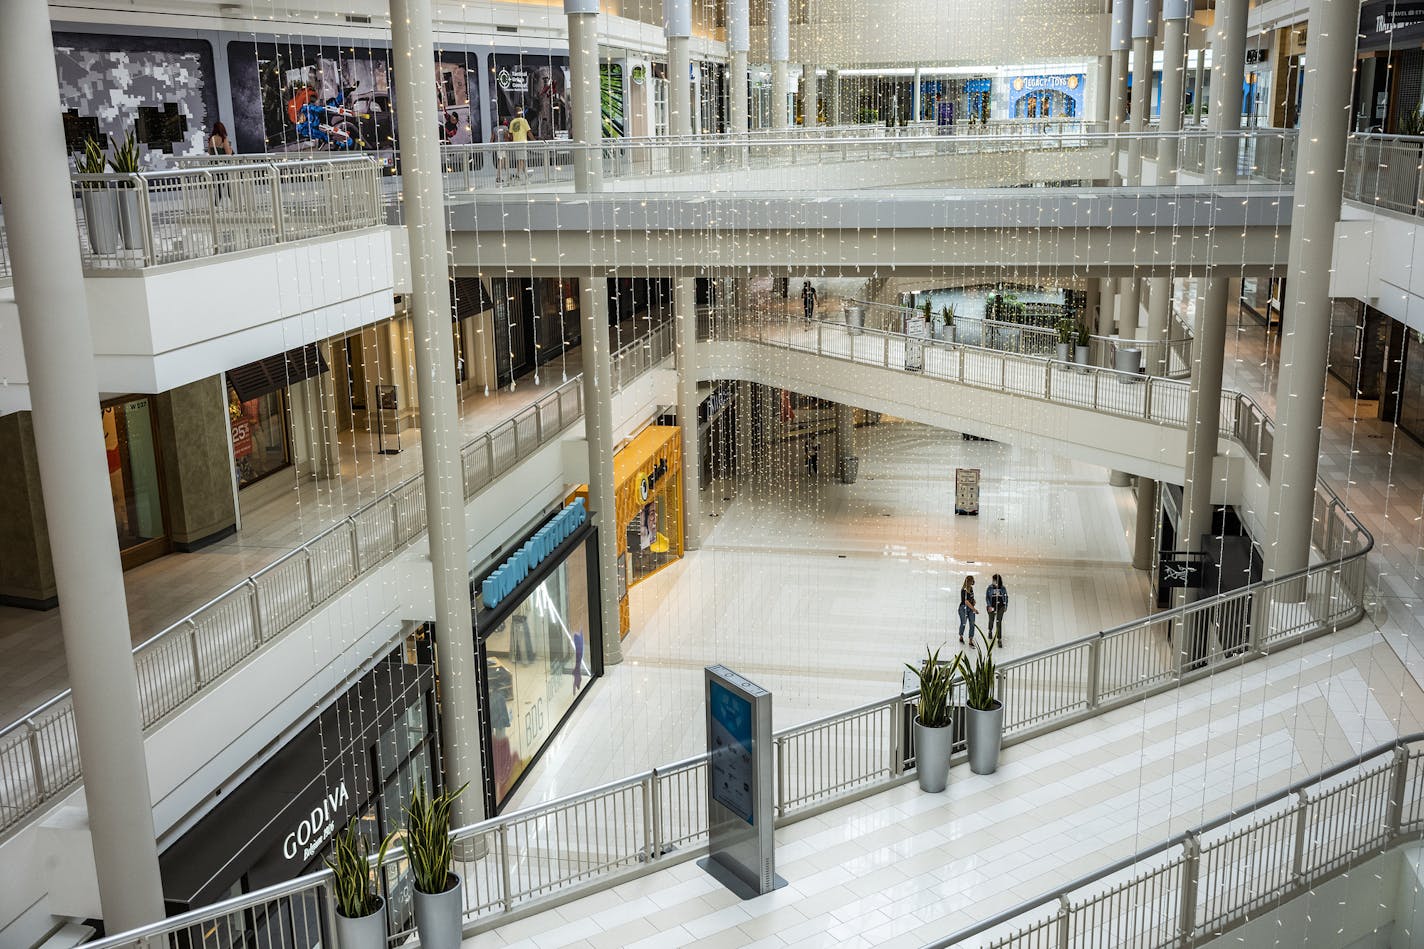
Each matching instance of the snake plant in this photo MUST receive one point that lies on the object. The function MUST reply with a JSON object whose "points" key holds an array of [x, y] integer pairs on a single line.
{"points": [[933, 709], [350, 863], [125, 160], [427, 840], [979, 677], [92, 161]]}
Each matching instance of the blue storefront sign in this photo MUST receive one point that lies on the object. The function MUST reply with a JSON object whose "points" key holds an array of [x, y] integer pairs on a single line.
{"points": [[1059, 96]]}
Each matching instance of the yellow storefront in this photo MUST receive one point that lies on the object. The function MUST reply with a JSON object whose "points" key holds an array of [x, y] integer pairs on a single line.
{"points": [[647, 475]]}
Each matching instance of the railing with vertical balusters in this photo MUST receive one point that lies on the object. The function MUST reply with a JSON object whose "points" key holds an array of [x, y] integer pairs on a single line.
{"points": [[39, 754]]}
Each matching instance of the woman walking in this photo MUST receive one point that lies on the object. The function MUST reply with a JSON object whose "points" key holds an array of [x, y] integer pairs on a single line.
{"points": [[967, 609], [996, 597]]}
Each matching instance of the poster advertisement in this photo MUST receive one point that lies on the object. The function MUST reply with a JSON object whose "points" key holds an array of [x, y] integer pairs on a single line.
{"points": [[322, 97], [610, 81], [966, 491], [535, 84], [648, 525], [732, 763], [916, 331]]}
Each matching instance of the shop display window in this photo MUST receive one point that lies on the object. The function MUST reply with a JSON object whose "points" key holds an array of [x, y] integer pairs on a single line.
{"points": [[260, 442], [538, 662]]}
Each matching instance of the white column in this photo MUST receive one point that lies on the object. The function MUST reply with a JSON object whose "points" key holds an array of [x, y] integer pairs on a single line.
{"points": [[810, 96], [685, 313], [778, 26], [1144, 38], [677, 24], [1324, 126], [1175, 17], [738, 43], [1199, 87], [916, 96], [412, 40], [69, 445], [1120, 44], [1144, 538], [845, 442], [587, 93], [598, 431], [833, 97], [1208, 348]]}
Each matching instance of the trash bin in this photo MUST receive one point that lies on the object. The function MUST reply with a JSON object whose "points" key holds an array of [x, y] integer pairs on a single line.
{"points": [[850, 470], [1128, 363], [855, 319]]}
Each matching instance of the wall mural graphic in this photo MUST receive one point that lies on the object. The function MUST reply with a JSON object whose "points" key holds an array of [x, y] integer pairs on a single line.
{"points": [[610, 81], [323, 97], [159, 88], [538, 84]]}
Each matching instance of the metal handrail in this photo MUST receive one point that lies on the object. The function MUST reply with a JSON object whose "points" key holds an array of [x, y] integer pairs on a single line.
{"points": [[639, 818], [1402, 752], [39, 751]]}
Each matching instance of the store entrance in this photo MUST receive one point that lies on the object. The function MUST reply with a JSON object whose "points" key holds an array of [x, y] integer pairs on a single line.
{"points": [[135, 484]]}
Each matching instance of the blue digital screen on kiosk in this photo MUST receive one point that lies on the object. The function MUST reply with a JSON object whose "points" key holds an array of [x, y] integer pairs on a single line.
{"points": [[732, 752]]}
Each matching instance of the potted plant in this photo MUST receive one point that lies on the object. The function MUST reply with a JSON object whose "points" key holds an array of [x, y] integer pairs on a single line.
{"points": [[124, 160], [439, 893], [360, 920], [947, 331], [983, 712], [929, 316], [1067, 333], [101, 210], [1080, 355], [934, 722]]}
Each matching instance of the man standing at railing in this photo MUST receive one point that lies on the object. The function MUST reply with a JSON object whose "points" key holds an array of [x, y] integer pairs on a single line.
{"points": [[808, 300], [520, 133], [501, 153]]}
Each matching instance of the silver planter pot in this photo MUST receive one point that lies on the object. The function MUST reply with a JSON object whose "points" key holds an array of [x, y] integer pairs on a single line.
{"points": [[101, 219], [1080, 355], [437, 916], [984, 731], [932, 747], [362, 932], [1063, 352], [130, 220]]}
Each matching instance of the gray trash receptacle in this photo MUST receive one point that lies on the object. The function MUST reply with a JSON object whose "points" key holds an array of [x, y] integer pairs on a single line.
{"points": [[855, 319], [850, 470], [1128, 363]]}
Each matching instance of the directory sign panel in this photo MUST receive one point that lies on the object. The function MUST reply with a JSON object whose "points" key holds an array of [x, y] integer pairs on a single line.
{"points": [[739, 784]]}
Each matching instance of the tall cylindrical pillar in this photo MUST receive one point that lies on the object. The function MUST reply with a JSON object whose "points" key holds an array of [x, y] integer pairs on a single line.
{"points": [[598, 432], [778, 26], [685, 313], [1107, 301], [833, 97], [1159, 321], [739, 42], [413, 40], [1121, 45], [917, 97], [1208, 348], [1175, 17], [1144, 538], [1144, 38], [677, 24], [1305, 340], [587, 94], [1128, 308], [74, 474], [845, 443], [810, 97], [1228, 74]]}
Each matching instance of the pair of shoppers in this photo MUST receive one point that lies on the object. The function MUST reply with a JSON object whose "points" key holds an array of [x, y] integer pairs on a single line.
{"points": [[996, 600]]}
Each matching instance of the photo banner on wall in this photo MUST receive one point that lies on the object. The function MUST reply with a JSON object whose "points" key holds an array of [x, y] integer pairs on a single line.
{"points": [[610, 81], [537, 85], [322, 97]]}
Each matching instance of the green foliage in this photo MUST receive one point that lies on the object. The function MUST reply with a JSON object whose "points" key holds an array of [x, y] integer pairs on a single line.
{"points": [[125, 160], [1084, 338], [350, 862], [1411, 123], [979, 676], [92, 161], [935, 677], [948, 314], [1067, 331], [427, 840], [929, 310]]}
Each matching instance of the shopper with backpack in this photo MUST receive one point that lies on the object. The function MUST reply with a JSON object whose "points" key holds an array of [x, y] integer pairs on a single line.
{"points": [[996, 597]]}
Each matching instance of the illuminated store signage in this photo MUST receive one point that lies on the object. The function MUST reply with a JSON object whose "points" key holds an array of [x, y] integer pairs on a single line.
{"points": [[508, 575], [317, 827]]}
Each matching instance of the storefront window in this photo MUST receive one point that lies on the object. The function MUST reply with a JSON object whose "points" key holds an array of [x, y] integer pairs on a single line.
{"points": [[260, 444], [538, 663], [131, 445]]}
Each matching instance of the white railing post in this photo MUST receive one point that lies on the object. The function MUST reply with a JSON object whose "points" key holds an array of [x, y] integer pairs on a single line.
{"points": [[1399, 784], [212, 209], [1093, 689], [145, 210], [1298, 853], [1063, 919], [32, 739], [505, 870], [195, 653], [279, 225], [355, 546], [256, 600], [897, 732], [1191, 872], [779, 749]]}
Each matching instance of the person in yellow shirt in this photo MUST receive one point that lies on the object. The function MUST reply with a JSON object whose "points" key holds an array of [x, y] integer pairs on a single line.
{"points": [[520, 133]]}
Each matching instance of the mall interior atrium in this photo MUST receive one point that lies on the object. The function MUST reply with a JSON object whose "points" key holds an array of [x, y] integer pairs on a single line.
{"points": [[777, 473]]}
